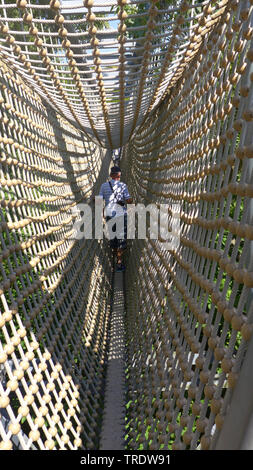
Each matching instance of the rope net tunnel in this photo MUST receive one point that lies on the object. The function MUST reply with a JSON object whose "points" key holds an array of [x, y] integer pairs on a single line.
{"points": [[170, 83]]}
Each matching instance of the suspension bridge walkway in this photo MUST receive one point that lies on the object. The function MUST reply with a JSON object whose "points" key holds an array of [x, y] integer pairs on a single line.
{"points": [[157, 358]]}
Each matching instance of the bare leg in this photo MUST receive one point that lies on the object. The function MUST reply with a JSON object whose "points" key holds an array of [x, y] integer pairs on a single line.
{"points": [[119, 255]]}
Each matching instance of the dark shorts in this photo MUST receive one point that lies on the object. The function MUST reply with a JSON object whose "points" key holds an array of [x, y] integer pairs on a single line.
{"points": [[119, 242]]}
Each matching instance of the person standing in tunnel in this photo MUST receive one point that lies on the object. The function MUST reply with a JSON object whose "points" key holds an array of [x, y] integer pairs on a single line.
{"points": [[116, 195]]}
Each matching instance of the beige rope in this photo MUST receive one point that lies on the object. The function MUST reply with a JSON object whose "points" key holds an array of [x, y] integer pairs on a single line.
{"points": [[189, 309], [44, 334], [180, 84], [53, 49]]}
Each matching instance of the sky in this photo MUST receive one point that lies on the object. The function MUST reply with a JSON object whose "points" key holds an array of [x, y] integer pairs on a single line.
{"points": [[113, 24], [78, 3]]}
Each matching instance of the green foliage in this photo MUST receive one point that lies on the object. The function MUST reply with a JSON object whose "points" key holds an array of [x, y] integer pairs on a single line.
{"points": [[138, 15]]}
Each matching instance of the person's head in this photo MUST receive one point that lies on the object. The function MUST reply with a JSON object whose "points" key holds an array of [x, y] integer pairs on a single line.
{"points": [[115, 173]]}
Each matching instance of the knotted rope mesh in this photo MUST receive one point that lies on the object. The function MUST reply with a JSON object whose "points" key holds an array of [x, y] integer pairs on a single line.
{"points": [[190, 310], [94, 64], [54, 289], [171, 83]]}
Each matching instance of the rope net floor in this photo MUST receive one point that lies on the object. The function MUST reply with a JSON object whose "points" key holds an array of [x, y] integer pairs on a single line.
{"points": [[171, 83]]}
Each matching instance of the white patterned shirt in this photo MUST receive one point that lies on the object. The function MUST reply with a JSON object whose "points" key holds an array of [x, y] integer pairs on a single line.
{"points": [[119, 193]]}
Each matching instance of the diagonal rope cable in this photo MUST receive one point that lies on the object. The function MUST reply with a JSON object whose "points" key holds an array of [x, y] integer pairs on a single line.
{"points": [[126, 89]]}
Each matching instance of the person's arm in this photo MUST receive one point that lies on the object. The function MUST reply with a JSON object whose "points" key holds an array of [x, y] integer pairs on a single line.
{"points": [[127, 196]]}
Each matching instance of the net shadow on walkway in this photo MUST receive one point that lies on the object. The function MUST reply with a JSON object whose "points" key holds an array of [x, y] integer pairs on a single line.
{"points": [[113, 425]]}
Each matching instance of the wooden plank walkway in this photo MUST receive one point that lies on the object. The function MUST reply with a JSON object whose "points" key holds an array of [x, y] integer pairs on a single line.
{"points": [[113, 425]]}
